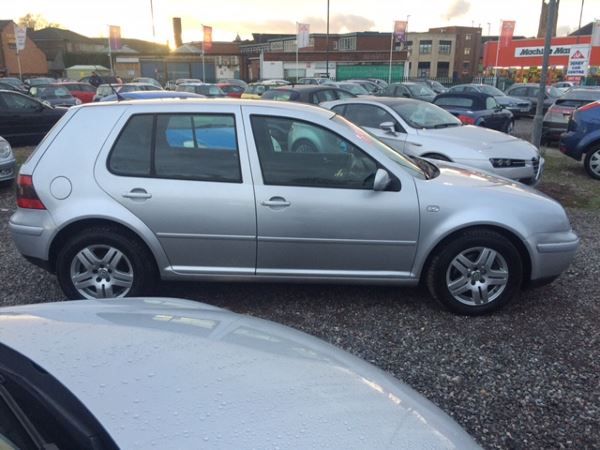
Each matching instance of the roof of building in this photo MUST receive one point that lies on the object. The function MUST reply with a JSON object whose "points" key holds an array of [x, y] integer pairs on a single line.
{"points": [[53, 33], [3, 23], [585, 30]]}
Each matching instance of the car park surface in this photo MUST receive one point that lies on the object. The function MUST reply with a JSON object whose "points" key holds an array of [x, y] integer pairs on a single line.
{"points": [[174, 373], [417, 128], [348, 168]]}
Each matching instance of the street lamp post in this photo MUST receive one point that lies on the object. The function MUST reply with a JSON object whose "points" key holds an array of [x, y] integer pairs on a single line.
{"points": [[327, 44]]}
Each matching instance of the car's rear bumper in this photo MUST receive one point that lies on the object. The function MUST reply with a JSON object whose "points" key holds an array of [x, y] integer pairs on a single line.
{"points": [[7, 170], [553, 253], [32, 232], [553, 130]]}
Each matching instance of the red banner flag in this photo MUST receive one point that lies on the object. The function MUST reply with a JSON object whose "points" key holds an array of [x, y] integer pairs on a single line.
{"points": [[207, 39], [114, 37], [506, 33]]}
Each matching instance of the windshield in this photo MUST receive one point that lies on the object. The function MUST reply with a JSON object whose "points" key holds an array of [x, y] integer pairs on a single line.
{"points": [[355, 89], [361, 134], [425, 115], [420, 89], [491, 90]]}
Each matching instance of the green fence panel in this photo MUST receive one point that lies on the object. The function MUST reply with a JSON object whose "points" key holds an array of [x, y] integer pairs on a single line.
{"points": [[348, 72]]}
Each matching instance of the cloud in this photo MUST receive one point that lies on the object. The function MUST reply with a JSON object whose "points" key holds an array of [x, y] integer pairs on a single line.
{"points": [[458, 8]]}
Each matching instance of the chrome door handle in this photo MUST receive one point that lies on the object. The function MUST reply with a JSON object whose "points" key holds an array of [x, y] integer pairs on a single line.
{"points": [[137, 194], [276, 202]]}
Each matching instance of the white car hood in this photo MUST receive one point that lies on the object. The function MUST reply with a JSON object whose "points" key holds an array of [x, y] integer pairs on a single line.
{"points": [[486, 142], [176, 374]]}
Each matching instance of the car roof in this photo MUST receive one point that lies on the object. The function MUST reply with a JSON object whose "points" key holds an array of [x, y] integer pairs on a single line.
{"points": [[388, 101], [177, 373], [305, 87], [473, 95]]}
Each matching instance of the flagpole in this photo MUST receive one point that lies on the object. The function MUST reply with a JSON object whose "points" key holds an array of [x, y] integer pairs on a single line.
{"points": [[497, 55], [203, 42], [112, 72], [391, 48], [297, 55], [19, 63]]}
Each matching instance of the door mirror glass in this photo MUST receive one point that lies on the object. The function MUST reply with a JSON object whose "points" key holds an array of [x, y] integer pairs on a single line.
{"points": [[388, 127], [382, 180]]}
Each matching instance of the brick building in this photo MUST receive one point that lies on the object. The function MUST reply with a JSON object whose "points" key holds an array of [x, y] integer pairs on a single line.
{"points": [[467, 52], [431, 55], [33, 60]]}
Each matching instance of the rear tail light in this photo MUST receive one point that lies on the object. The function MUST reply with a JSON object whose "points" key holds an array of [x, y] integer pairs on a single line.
{"points": [[466, 119], [26, 195], [590, 106]]}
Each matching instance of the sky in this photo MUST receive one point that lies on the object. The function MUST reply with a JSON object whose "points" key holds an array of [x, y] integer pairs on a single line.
{"points": [[231, 17]]}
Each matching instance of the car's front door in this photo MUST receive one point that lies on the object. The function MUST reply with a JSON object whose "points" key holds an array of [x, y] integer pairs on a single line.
{"points": [[317, 213], [22, 119], [186, 176], [496, 115], [371, 117]]}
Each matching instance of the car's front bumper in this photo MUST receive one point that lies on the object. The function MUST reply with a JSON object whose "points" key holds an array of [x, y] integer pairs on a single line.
{"points": [[530, 173], [552, 253], [7, 169]]}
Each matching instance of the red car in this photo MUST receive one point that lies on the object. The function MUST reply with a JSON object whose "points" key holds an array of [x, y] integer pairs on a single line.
{"points": [[83, 91], [231, 90]]}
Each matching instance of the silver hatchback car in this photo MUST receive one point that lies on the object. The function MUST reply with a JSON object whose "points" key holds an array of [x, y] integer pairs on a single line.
{"points": [[119, 195]]}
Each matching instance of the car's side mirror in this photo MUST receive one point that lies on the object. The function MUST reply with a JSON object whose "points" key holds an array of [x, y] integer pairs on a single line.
{"points": [[382, 180], [388, 127]]}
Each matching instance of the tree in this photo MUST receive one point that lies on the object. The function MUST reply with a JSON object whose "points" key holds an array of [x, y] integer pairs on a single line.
{"points": [[36, 21]]}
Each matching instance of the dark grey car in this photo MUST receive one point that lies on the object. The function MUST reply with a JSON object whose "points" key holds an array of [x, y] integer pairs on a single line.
{"points": [[409, 89], [519, 107], [54, 95], [529, 91]]}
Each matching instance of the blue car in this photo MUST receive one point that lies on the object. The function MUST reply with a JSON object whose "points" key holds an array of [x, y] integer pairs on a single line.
{"points": [[583, 138], [477, 108]]}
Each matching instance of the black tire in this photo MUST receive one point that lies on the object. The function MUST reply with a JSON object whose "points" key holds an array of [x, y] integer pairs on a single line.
{"points": [[304, 146], [140, 260], [436, 156], [592, 159], [442, 272]]}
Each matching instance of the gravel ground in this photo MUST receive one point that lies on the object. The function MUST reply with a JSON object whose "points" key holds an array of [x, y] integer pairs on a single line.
{"points": [[525, 377]]}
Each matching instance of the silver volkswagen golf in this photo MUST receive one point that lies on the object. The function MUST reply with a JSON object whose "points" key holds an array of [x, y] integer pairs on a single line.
{"points": [[119, 195]]}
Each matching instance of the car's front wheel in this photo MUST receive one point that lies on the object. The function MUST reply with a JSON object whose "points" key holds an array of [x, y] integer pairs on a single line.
{"points": [[592, 162], [102, 262], [475, 273]]}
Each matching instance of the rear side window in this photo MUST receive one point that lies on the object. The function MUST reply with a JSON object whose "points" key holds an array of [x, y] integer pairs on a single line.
{"points": [[201, 147]]}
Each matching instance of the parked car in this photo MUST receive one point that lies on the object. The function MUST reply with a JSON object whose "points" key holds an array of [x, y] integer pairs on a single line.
{"points": [[9, 87], [314, 94], [583, 138], [110, 89], [275, 82], [314, 80], [25, 120], [477, 108], [83, 91], [371, 86], [529, 91], [124, 373], [435, 86], [353, 88], [16, 83], [235, 81], [187, 80], [106, 79], [254, 91], [206, 89], [54, 95], [558, 115], [421, 129], [145, 95], [563, 86], [39, 81], [118, 216], [519, 107], [409, 89], [231, 90], [7, 162], [170, 85], [147, 80], [379, 82]]}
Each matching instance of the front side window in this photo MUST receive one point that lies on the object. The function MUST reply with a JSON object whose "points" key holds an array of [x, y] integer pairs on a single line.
{"points": [[297, 153], [201, 147], [491, 103], [19, 102]]}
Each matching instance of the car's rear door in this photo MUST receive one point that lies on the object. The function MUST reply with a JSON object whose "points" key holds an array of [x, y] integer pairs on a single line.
{"points": [[184, 172]]}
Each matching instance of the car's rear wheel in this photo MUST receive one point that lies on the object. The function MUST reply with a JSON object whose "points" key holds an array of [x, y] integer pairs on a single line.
{"points": [[102, 262], [475, 273], [592, 162]]}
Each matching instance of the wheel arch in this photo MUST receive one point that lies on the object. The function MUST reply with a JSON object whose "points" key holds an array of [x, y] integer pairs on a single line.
{"points": [[511, 236], [77, 226]]}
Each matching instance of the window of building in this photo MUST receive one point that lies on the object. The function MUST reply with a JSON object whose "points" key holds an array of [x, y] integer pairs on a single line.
{"points": [[425, 47], [443, 69], [424, 69], [298, 153], [468, 37], [408, 46], [347, 43], [466, 66], [445, 47], [467, 50]]}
